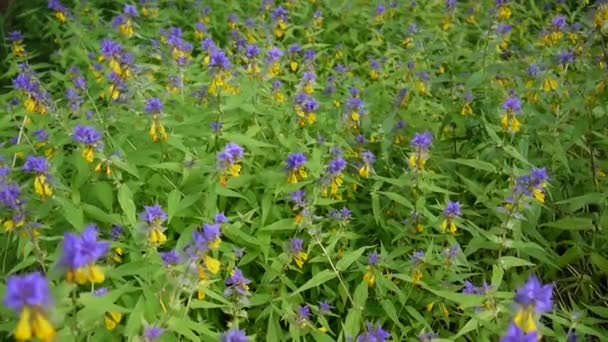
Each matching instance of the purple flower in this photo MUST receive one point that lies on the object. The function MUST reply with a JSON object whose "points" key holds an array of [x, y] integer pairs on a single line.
{"points": [[220, 218], [504, 28], [116, 233], [310, 55], [235, 335], [336, 166], [237, 285], [130, 10], [325, 307], [101, 292], [304, 313], [452, 210], [153, 333], [512, 104], [535, 294], [427, 337], [280, 14], [15, 36], [273, 55], [83, 250], [87, 135], [533, 70], [296, 161], [216, 127], [299, 197], [110, 49], [515, 334], [252, 51], [566, 57], [418, 257], [559, 23], [171, 258], [154, 106], [219, 60], [422, 140], [373, 259], [231, 154], [296, 246], [10, 196], [310, 105], [276, 85], [153, 214], [376, 334], [368, 157], [36, 165], [29, 290]]}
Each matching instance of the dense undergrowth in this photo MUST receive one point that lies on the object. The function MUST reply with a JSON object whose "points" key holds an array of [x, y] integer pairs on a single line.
{"points": [[304, 170]]}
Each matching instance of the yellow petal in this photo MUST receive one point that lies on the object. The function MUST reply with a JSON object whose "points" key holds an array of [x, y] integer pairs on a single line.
{"points": [[23, 330], [212, 264], [96, 275], [112, 319], [43, 329]]}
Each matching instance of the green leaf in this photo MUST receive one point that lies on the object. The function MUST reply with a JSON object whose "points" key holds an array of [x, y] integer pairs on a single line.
{"points": [[474, 163], [571, 223], [352, 323], [71, 213], [349, 258], [173, 203], [600, 262], [497, 274], [507, 262], [318, 279], [125, 199], [280, 225], [398, 198], [274, 329], [360, 295]]}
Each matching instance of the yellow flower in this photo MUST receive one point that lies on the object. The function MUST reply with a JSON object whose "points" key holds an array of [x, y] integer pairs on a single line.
{"points": [[539, 195], [466, 109], [279, 97], [213, 265], [275, 70], [18, 50], [158, 132], [33, 323], [449, 224], [42, 187], [156, 236], [417, 162], [504, 13], [127, 29], [549, 85], [293, 66], [112, 319], [370, 277], [417, 276], [374, 75], [88, 153], [526, 320], [300, 259], [429, 307], [61, 17], [510, 123], [297, 175]]}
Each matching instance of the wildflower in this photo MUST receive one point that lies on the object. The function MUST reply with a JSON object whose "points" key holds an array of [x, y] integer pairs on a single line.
{"points": [[566, 57], [273, 57], [308, 82], [153, 333], [325, 307], [230, 162], [373, 259], [297, 251], [343, 215], [534, 299], [158, 132], [428, 337], [417, 260], [374, 334], [334, 178], [420, 144], [237, 286], [171, 258], [39, 166], [154, 217], [112, 320], [100, 292], [251, 53], [279, 97], [61, 12], [515, 334], [124, 22], [305, 109], [451, 212], [368, 161], [90, 137], [280, 18], [467, 109], [16, 39], [452, 253], [235, 335], [355, 110], [36, 99], [503, 11], [295, 167], [220, 65], [80, 254], [30, 296], [509, 122], [304, 315]]}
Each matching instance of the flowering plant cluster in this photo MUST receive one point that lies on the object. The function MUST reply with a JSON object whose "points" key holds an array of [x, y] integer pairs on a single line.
{"points": [[304, 170]]}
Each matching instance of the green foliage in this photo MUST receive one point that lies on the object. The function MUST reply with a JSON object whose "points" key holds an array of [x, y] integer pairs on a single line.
{"points": [[442, 186]]}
